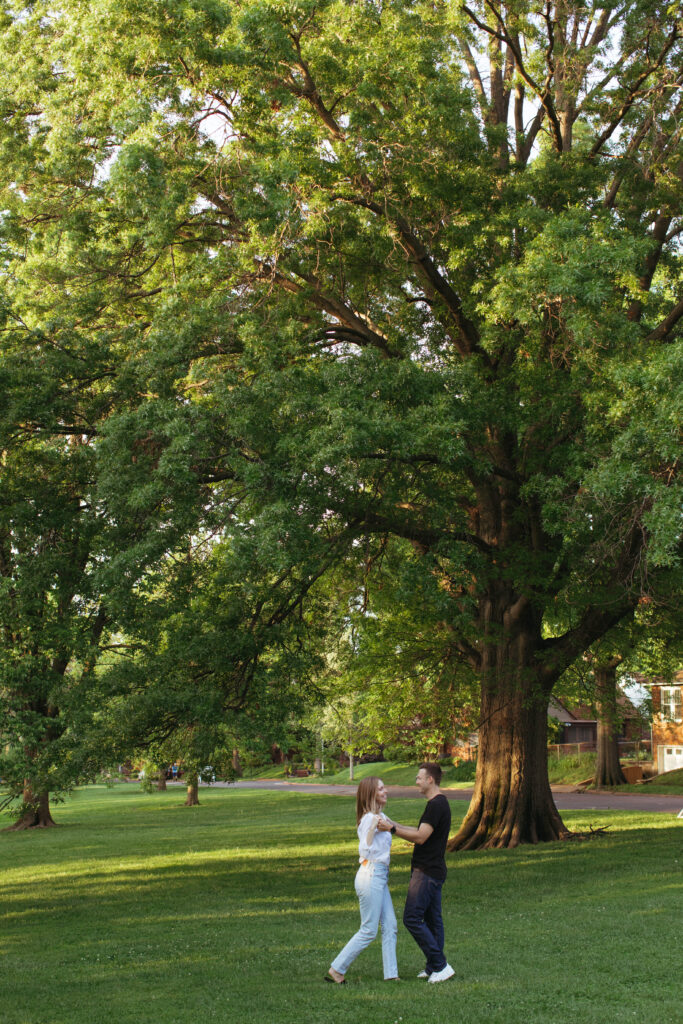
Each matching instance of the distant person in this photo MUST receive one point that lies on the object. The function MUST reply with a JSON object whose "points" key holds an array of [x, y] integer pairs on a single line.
{"points": [[422, 912], [372, 888]]}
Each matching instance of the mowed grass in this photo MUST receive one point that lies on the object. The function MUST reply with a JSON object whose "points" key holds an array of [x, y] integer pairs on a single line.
{"points": [[138, 910]]}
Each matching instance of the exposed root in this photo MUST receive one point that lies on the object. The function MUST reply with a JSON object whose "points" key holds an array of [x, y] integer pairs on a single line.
{"points": [[594, 833], [24, 826]]}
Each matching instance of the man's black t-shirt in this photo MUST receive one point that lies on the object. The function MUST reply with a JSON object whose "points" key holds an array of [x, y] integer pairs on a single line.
{"points": [[430, 857]]}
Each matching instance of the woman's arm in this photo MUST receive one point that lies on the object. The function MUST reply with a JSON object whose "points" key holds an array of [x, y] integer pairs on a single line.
{"points": [[372, 829]]}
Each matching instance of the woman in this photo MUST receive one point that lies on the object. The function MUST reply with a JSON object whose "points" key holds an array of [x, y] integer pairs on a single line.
{"points": [[372, 885]]}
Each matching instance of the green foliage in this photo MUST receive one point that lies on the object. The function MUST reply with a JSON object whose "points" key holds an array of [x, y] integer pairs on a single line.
{"points": [[571, 767], [554, 729], [460, 771]]}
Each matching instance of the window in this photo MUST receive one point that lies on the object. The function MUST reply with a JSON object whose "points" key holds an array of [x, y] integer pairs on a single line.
{"points": [[671, 703]]}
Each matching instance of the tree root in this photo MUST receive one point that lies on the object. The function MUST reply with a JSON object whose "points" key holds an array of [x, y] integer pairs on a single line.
{"points": [[578, 837], [24, 826]]}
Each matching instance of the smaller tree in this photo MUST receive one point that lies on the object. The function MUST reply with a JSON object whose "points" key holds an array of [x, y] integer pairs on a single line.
{"points": [[608, 766], [199, 750]]}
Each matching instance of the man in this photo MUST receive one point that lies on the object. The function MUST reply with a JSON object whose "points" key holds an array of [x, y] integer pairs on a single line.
{"points": [[422, 912]]}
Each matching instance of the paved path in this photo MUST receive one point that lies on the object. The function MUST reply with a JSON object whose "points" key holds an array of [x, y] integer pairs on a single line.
{"points": [[566, 797]]}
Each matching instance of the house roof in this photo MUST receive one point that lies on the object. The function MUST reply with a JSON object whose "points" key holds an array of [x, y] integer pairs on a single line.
{"points": [[581, 715]]}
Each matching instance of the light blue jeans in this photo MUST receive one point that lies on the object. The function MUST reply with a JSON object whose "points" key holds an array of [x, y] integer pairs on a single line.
{"points": [[376, 909]]}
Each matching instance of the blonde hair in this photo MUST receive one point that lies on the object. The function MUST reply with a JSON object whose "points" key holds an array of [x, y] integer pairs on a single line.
{"points": [[366, 796]]}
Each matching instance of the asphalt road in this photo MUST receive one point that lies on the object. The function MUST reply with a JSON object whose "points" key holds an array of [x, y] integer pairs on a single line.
{"points": [[566, 797]]}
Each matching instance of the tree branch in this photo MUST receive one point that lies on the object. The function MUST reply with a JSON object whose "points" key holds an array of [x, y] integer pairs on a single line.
{"points": [[467, 338], [475, 77], [543, 94], [667, 325], [665, 142], [560, 652], [534, 129], [364, 331], [309, 91], [633, 95], [418, 532], [659, 235]]}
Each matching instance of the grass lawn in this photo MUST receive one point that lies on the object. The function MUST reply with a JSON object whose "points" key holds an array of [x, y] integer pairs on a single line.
{"points": [[138, 910]]}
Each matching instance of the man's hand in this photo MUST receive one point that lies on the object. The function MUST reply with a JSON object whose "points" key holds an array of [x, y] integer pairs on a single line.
{"points": [[413, 835]]}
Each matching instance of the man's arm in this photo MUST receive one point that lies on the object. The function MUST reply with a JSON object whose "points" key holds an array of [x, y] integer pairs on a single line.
{"points": [[418, 836]]}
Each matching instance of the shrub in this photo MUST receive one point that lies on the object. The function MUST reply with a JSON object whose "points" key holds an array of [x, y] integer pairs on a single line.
{"points": [[462, 771]]}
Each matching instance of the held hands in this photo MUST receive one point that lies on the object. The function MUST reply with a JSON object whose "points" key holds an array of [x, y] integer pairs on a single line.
{"points": [[385, 824]]}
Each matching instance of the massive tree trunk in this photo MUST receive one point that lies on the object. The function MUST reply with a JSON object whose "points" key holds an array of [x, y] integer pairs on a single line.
{"points": [[512, 801], [608, 767], [36, 812]]}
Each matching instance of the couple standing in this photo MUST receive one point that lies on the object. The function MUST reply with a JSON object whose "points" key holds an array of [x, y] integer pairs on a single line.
{"points": [[422, 913]]}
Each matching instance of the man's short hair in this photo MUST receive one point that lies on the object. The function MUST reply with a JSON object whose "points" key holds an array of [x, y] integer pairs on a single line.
{"points": [[434, 770]]}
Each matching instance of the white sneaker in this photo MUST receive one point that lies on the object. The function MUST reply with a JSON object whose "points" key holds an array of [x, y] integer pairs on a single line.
{"points": [[423, 974], [443, 975]]}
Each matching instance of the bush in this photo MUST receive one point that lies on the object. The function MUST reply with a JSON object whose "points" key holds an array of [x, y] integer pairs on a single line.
{"points": [[396, 752], [571, 767], [461, 771]]}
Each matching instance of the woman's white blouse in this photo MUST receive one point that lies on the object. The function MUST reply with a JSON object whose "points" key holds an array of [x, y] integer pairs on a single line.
{"points": [[380, 848]]}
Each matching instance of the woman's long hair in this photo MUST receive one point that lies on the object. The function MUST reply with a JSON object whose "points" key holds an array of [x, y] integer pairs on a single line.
{"points": [[366, 797]]}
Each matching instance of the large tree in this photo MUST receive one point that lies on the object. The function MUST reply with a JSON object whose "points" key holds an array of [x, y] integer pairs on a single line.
{"points": [[406, 270], [51, 621]]}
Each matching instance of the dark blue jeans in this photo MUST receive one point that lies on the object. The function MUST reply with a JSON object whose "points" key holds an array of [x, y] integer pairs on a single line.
{"points": [[422, 917]]}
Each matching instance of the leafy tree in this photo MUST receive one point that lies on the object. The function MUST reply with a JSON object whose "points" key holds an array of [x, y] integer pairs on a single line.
{"points": [[212, 661], [407, 270], [53, 620], [198, 750]]}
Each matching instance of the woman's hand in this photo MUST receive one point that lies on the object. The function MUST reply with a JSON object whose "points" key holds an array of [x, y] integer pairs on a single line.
{"points": [[385, 824]]}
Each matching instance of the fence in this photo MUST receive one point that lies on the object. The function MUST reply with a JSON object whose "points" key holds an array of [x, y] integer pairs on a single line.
{"points": [[637, 748]]}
